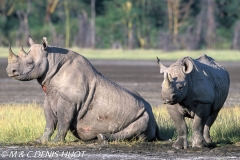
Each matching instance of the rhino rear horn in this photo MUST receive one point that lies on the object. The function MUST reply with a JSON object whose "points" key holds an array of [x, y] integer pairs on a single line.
{"points": [[30, 40], [162, 66], [22, 53], [11, 57]]}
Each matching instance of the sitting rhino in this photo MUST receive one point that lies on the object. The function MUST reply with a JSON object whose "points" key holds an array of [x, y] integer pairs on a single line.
{"points": [[194, 88], [79, 98]]}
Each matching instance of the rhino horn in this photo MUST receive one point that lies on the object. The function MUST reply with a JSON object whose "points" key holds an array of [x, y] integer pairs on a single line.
{"points": [[11, 57], [22, 53], [162, 66], [30, 40], [166, 81]]}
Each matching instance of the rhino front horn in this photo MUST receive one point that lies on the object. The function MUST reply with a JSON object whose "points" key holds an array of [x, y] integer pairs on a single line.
{"points": [[166, 81], [11, 57]]}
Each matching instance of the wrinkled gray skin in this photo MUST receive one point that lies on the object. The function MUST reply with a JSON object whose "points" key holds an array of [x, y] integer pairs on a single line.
{"points": [[79, 98], [194, 88]]}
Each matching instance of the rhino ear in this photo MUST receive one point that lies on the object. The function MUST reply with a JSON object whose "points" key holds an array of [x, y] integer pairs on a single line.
{"points": [[162, 66], [30, 40], [187, 65], [45, 43]]}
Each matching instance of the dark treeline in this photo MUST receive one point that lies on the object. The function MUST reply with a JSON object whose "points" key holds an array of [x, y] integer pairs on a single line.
{"points": [[129, 24]]}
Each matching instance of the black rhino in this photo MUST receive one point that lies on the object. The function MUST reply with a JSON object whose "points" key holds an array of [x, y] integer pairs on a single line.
{"points": [[79, 98], [197, 89]]}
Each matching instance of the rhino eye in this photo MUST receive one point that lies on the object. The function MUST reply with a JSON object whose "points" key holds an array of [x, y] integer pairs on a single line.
{"points": [[179, 87], [29, 63]]}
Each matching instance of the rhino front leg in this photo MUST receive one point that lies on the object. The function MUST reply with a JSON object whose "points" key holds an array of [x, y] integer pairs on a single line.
{"points": [[208, 125], [51, 121], [180, 123], [65, 113], [201, 115]]}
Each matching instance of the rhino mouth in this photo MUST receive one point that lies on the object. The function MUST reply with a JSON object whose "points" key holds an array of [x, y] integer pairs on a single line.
{"points": [[13, 75], [167, 101]]}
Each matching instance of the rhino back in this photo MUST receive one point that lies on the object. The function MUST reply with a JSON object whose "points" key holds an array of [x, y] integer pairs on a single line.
{"points": [[214, 79]]}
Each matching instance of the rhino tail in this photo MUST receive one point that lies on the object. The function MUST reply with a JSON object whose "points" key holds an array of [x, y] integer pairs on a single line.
{"points": [[159, 137]]}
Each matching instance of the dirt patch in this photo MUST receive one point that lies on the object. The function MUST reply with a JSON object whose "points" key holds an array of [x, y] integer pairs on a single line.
{"points": [[150, 150], [142, 76]]}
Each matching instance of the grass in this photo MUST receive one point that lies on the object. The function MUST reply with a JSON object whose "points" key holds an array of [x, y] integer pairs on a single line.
{"points": [[25, 123], [226, 128], [21, 123], [219, 55]]}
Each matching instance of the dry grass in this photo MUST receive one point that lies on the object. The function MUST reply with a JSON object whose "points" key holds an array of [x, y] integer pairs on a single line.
{"points": [[21, 123], [226, 128], [25, 123]]}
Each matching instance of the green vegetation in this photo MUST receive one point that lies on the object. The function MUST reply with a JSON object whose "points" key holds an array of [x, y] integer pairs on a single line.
{"points": [[25, 123], [128, 24], [21, 123], [226, 128], [218, 55]]}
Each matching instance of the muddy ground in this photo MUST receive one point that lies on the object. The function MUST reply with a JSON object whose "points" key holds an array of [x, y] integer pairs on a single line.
{"points": [[142, 76]]}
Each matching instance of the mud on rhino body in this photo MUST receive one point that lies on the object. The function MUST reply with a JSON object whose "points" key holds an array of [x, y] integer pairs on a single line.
{"points": [[194, 88], [79, 98]]}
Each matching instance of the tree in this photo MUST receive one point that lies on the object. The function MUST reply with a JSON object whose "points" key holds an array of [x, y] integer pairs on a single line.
{"points": [[93, 13], [177, 14], [23, 31], [83, 35], [51, 6], [67, 23], [203, 33], [236, 37]]}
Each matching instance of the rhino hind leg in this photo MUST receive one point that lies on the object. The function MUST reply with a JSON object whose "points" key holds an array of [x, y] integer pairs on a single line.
{"points": [[180, 123], [138, 129], [200, 118], [208, 125]]}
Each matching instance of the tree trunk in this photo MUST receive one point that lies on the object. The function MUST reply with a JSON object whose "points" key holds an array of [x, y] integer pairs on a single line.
{"points": [[211, 24], [84, 33], [236, 38], [23, 31], [67, 25], [203, 32], [93, 14], [175, 22]]}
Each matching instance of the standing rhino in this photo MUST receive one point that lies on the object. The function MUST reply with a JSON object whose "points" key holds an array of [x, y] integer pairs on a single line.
{"points": [[79, 98], [194, 88]]}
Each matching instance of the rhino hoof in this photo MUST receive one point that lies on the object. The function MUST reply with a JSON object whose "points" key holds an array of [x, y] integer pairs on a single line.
{"points": [[42, 141], [180, 143]]}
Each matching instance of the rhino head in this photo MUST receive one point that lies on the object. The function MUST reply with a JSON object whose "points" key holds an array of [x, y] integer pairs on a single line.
{"points": [[31, 65], [175, 83]]}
